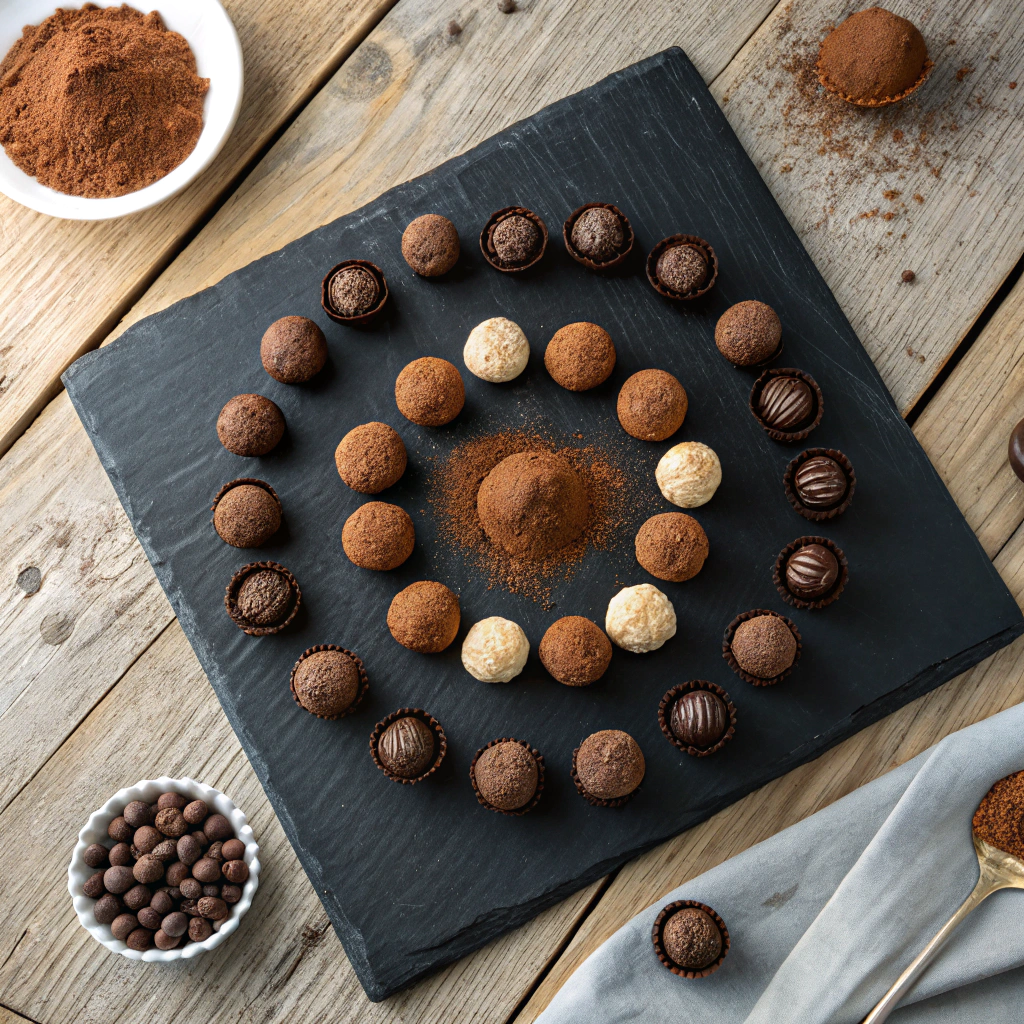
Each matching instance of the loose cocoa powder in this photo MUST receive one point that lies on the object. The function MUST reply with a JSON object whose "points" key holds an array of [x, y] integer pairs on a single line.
{"points": [[999, 819]]}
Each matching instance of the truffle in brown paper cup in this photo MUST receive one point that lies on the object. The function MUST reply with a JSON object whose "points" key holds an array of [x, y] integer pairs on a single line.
{"points": [[593, 800], [819, 514], [440, 743], [779, 574], [487, 236], [665, 716], [533, 801], [355, 319], [364, 682], [230, 485], [657, 937], [231, 598], [695, 242], [734, 664], [799, 430], [621, 253]]}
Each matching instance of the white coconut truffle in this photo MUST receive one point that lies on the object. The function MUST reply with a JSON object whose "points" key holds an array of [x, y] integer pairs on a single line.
{"points": [[689, 474], [640, 619], [495, 650], [497, 350]]}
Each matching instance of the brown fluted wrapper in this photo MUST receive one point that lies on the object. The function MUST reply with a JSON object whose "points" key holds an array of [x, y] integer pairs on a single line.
{"points": [[773, 432], [734, 664], [238, 483], [697, 243], [628, 239], [593, 800], [534, 800], [231, 595], [813, 514], [364, 681], [439, 738], [657, 931], [665, 714], [360, 318], [779, 573], [487, 248]]}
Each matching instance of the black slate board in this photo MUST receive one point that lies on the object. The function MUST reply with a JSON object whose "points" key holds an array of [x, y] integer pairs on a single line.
{"points": [[413, 878]]}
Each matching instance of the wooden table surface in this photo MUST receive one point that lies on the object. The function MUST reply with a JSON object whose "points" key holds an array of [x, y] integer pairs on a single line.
{"points": [[345, 98]]}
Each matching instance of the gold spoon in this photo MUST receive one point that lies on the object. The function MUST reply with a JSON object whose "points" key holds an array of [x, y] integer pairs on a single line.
{"points": [[998, 870]]}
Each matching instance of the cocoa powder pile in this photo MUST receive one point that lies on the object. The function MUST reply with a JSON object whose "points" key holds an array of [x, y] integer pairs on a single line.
{"points": [[100, 102], [999, 819]]}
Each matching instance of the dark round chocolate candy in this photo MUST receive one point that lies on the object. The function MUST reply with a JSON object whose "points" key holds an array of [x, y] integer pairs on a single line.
{"points": [[811, 571], [406, 747], [598, 234], [820, 482], [430, 245], [764, 646], [353, 291], [1016, 450], [682, 268], [264, 598], [293, 349], [516, 240], [691, 939], [786, 403], [699, 718]]}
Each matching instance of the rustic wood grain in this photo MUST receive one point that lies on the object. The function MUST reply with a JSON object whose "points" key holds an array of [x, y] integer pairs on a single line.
{"points": [[10, 1017], [66, 283]]}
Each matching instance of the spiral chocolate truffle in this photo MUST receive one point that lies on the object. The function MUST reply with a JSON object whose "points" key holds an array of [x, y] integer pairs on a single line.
{"points": [[699, 718], [406, 747], [786, 403], [820, 482], [811, 571]]}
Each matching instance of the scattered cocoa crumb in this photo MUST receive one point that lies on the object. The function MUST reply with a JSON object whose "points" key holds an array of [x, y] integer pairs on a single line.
{"points": [[897, 136], [908, 276], [1013, 85], [888, 215], [785, 168], [918, 198], [964, 72], [454, 28], [891, 193]]}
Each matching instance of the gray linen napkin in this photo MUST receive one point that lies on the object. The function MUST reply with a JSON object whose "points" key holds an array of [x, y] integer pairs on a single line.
{"points": [[824, 916]]}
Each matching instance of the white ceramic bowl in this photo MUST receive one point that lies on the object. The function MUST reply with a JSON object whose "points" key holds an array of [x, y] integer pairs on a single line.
{"points": [[208, 29], [95, 831]]}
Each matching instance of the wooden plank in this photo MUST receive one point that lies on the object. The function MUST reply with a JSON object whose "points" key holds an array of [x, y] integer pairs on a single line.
{"points": [[66, 283], [934, 185], [10, 1017]]}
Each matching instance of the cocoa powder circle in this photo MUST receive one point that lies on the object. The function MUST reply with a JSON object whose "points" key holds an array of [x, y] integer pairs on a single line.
{"points": [[672, 546], [652, 405], [430, 392], [371, 458], [293, 349], [378, 536], [580, 356], [424, 617], [575, 651]]}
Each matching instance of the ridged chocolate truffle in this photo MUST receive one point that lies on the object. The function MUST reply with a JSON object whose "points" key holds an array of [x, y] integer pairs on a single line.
{"points": [[786, 403], [430, 245], [575, 651], [247, 516], [811, 571], [293, 349], [748, 333], [250, 425], [672, 546], [378, 536], [371, 458], [326, 683], [264, 598], [516, 240], [610, 764], [580, 356], [691, 939], [353, 291], [764, 646], [820, 482], [506, 775], [699, 718], [406, 747], [424, 617], [652, 405], [682, 268], [430, 392], [598, 234]]}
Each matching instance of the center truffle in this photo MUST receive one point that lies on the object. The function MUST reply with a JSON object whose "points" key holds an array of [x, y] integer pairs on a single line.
{"points": [[532, 504]]}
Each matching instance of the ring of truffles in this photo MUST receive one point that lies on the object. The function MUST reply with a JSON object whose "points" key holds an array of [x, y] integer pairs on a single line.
{"points": [[262, 598], [495, 650], [246, 513], [575, 651], [749, 333], [430, 245], [580, 356], [762, 646], [371, 458], [787, 403], [328, 681], [507, 776], [652, 405], [429, 392], [250, 425], [513, 239], [690, 939], [353, 292], [408, 746], [810, 572], [293, 349], [598, 235], [689, 474], [698, 717], [819, 483], [682, 267], [496, 350], [424, 617], [608, 767], [379, 536]]}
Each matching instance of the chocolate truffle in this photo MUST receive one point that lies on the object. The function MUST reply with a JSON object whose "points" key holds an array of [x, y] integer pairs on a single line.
{"points": [[424, 617], [640, 619], [353, 291], [247, 516], [430, 245], [689, 474], [495, 650], [496, 350], [429, 391], [575, 651], [764, 646], [250, 425], [682, 268], [610, 764], [507, 775], [580, 356], [699, 718], [107, 908], [598, 234], [820, 482], [672, 546], [652, 405], [872, 58], [532, 503], [516, 240], [406, 747], [293, 349], [1016, 450], [691, 939], [371, 458], [264, 598], [786, 403], [378, 536], [811, 571], [326, 683], [748, 333]]}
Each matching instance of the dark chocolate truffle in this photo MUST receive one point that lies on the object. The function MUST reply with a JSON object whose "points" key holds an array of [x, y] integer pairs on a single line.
{"points": [[575, 651], [430, 245], [1016, 450], [764, 646], [506, 775], [326, 683], [406, 747], [672, 546], [247, 516], [598, 234], [430, 392], [691, 939], [264, 598], [378, 536], [699, 718], [652, 405], [516, 240], [820, 482], [250, 425], [811, 571], [682, 268], [370, 458], [786, 403], [580, 356], [610, 764], [424, 617], [748, 333], [293, 349], [353, 291]]}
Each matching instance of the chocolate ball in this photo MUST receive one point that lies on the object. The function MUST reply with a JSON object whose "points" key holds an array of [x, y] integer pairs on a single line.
{"points": [[786, 403], [293, 349], [123, 925], [171, 822], [672, 546], [230, 893], [137, 897], [247, 516], [378, 536], [652, 405], [353, 291], [175, 923], [326, 683], [575, 651], [195, 812], [764, 646], [164, 941], [507, 775], [147, 839], [430, 245], [250, 425], [682, 268], [150, 917], [213, 908], [370, 458], [199, 930], [166, 851], [118, 879], [820, 483], [699, 718], [264, 599], [430, 392], [177, 873], [406, 747], [424, 617], [106, 908], [148, 870], [218, 828], [691, 939], [598, 234], [748, 333], [121, 855], [95, 856], [190, 888], [206, 870], [516, 240], [610, 764], [120, 831], [233, 849], [580, 356], [161, 904], [93, 886], [811, 571], [137, 814], [236, 871], [140, 939], [166, 800]]}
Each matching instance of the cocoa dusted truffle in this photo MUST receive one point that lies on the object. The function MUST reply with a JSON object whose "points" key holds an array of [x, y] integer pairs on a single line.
{"points": [[430, 245], [580, 356], [610, 764], [371, 458], [406, 747], [246, 514], [748, 333], [378, 536], [264, 598], [652, 405], [682, 268], [672, 546], [250, 425], [353, 291], [430, 392], [424, 617], [506, 775], [575, 651], [293, 349], [811, 571], [598, 234], [691, 939], [699, 718], [516, 240], [764, 646], [786, 403], [327, 682]]}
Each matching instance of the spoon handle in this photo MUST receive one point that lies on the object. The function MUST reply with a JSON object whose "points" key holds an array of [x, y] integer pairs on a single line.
{"points": [[985, 887]]}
